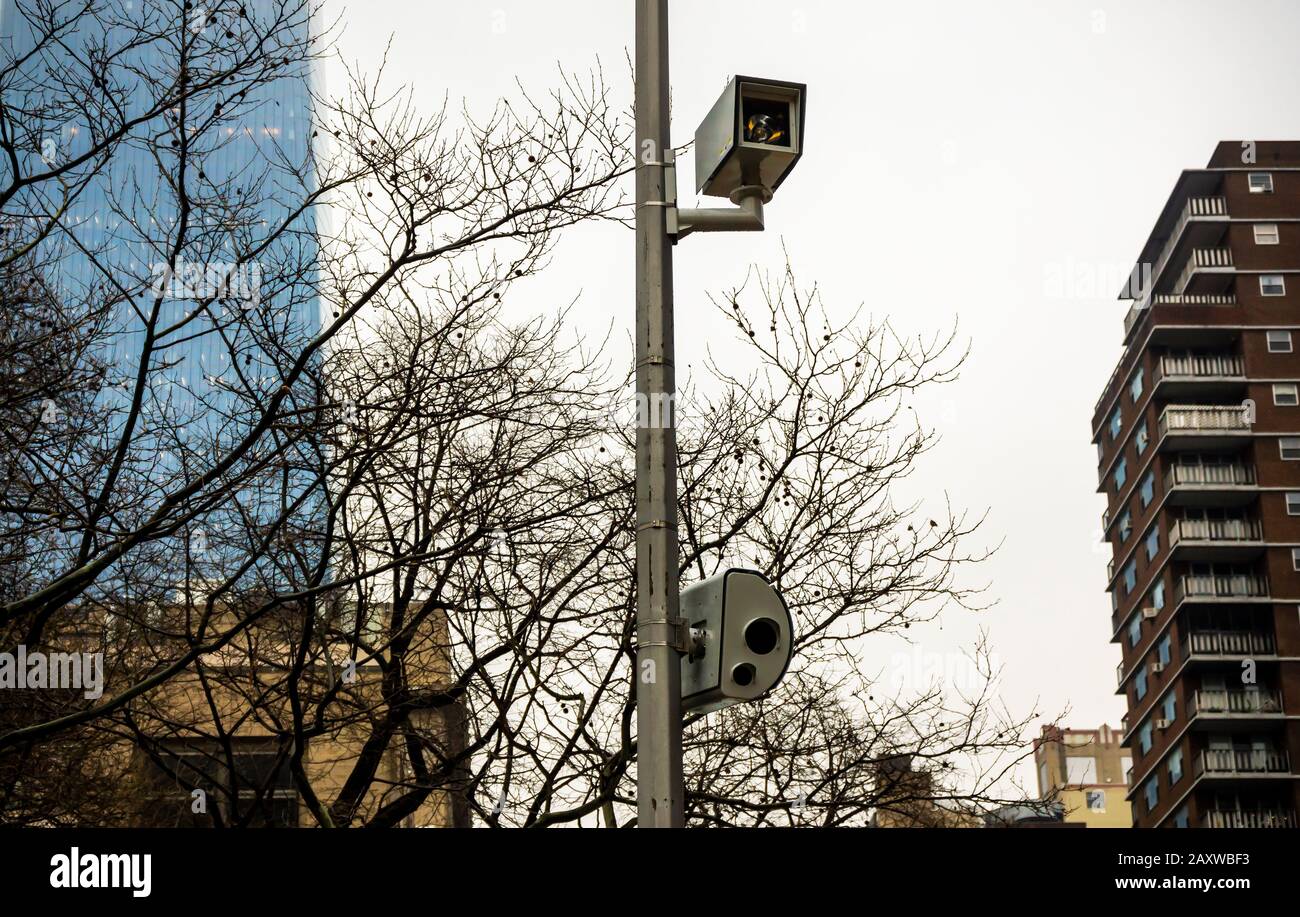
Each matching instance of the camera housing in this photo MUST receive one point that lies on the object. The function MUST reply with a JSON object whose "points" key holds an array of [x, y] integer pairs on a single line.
{"points": [[744, 638], [753, 136]]}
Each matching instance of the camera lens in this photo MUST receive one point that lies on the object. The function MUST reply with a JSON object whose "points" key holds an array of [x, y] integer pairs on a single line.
{"points": [[767, 122], [761, 129], [743, 674], [761, 636]]}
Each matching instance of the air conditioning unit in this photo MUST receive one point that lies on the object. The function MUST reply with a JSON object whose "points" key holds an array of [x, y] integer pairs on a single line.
{"points": [[1150, 612], [1163, 724], [1157, 667]]}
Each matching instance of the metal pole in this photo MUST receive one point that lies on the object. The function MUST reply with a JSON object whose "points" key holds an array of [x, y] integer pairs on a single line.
{"points": [[658, 668]]}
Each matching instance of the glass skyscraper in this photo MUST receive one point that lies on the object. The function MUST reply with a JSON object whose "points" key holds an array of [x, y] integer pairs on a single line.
{"points": [[192, 242]]}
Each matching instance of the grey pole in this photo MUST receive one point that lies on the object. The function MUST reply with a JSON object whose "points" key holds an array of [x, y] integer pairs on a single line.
{"points": [[658, 667]]}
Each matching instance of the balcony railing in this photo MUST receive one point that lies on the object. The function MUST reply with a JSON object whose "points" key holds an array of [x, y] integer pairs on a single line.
{"points": [[1213, 418], [1197, 366], [1236, 700], [1196, 207], [1224, 530], [1142, 306], [1203, 259], [1190, 475], [1262, 818], [1222, 585], [1228, 643], [1243, 761]]}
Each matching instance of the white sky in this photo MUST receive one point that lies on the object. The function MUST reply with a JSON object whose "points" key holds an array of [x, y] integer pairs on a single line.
{"points": [[960, 156]]}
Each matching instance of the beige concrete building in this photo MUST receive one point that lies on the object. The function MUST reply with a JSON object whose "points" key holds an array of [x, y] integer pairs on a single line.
{"points": [[1085, 771], [906, 799], [215, 743]]}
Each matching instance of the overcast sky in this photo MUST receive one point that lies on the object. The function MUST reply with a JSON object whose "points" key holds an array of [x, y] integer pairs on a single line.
{"points": [[960, 159]]}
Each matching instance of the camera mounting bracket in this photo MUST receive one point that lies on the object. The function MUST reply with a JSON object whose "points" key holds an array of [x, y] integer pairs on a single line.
{"points": [[746, 216]]}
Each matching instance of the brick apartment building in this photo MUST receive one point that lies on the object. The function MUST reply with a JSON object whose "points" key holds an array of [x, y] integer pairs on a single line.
{"points": [[1198, 442]]}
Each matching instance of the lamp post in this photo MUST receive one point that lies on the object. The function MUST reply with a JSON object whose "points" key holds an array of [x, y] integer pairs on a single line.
{"points": [[745, 148], [658, 670]]}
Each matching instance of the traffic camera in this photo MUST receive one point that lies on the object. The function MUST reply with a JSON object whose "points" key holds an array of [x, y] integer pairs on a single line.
{"points": [[752, 137], [742, 638]]}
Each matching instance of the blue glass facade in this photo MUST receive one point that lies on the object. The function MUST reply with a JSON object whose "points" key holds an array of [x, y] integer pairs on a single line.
{"points": [[192, 232]]}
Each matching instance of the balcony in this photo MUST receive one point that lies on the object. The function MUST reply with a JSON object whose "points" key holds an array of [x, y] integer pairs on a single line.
{"points": [[1234, 643], [1205, 425], [1196, 210], [1228, 418], [1203, 261], [1216, 539], [1261, 818], [1225, 530], [1243, 702], [1200, 366], [1196, 376], [1221, 586], [1213, 209], [1140, 308], [1216, 485], [1239, 475], [1231, 762]]}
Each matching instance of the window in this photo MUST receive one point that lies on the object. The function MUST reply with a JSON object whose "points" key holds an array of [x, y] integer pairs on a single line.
{"points": [[1295, 559], [1140, 689], [1285, 394], [1293, 504], [1135, 385], [1135, 629], [1144, 737], [1121, 474], [1260, 183], [1153, 543], [1117, 419], [1125, 526], [1169, 707], [1266, 234], [1289, 446], [1152, 792], [1080, 770], [1142, 438], [1181, 818], [1096, 800], [254, 784], [1176, 768], [1148, 491], [1130, 576], [1279, 342], [1272, 285], [1158, 595], [1164, 654]]}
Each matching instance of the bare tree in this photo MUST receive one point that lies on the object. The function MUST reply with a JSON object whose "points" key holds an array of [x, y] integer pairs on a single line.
{"points": [[384, 564]]}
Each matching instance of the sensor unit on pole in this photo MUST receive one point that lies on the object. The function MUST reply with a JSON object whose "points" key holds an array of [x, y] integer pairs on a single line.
{"points": [[742, 639], [753, 136]]}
